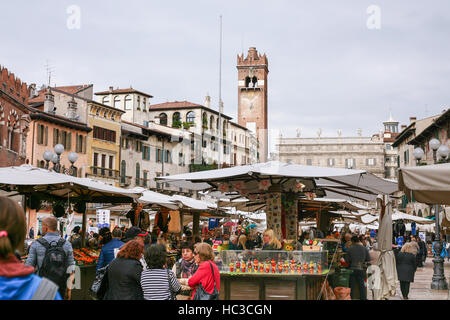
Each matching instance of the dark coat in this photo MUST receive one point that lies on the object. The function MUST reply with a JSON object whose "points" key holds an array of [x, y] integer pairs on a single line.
{"points": [[406, 265], [124, 280]]}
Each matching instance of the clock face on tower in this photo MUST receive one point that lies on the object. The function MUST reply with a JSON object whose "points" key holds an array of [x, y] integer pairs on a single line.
{"points": [[249, 101]]}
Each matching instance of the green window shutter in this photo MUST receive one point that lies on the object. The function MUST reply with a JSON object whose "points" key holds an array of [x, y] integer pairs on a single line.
{"points": [[77, 143], [143, 153], [148, 153]]}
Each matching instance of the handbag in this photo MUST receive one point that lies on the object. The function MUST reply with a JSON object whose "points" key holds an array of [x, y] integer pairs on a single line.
{"points": [[202, 294], [99, 277], [172, 296]]}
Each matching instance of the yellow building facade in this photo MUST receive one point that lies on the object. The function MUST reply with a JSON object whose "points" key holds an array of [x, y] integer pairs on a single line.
{"points": [[103, 143]]}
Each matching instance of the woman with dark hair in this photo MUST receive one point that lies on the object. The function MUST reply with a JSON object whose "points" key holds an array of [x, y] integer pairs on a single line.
{"points": [[185, 268], [158, 282], [123, 276], [17, 280], [207, 274]]}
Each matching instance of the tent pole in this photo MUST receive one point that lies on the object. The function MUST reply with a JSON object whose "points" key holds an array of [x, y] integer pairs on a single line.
{"points": [[83, 229]]}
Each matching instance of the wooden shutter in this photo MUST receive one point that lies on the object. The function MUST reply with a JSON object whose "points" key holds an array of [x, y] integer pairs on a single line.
{"points": [[84, 143], [46, 135], [39, 134], [69, 141]]}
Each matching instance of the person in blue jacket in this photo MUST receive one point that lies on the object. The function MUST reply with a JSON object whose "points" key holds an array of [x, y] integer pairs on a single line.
{"points": [[17, 280], [107, 252]]}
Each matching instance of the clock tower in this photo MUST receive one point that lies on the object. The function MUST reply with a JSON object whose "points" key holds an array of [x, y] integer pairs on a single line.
{"points": [[252, 97]]}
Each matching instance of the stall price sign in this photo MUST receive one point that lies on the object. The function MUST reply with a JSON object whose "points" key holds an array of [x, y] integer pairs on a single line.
{"points": [[103, 218], [422, 235]]}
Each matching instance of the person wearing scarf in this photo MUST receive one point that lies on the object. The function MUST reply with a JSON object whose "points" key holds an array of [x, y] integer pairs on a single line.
{"points": [[185, 268]]}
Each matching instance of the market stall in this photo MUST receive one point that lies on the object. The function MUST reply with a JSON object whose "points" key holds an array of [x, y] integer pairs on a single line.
{"points": [[279, 187]]}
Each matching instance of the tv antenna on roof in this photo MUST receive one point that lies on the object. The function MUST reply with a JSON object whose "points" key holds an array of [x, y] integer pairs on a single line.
{"points": [[50, 71]]}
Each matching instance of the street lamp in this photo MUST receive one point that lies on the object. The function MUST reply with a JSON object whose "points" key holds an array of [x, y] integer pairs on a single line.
{"points": [[418, 154], [438, 281], [443, 152], [55, 158], [434, 145]]}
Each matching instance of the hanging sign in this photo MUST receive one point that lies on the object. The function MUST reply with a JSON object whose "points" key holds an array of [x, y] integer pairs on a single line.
{"points": [[103, 218]]}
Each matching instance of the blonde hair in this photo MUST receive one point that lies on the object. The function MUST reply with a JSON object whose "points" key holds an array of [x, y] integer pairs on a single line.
{"points": [[273, 240], [408, 248], [242, 241], [205, 251]]}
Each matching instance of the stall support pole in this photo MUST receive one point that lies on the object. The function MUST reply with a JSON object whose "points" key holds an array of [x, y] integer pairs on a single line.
{"points": [[196, 224], [181, 222], [83, 229]]}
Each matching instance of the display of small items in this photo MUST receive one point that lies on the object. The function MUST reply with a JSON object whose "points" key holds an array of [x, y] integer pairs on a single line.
{"points": [[272, 266]]}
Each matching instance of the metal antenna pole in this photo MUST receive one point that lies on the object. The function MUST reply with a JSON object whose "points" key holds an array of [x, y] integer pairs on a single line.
{"points": [[220, 135]]}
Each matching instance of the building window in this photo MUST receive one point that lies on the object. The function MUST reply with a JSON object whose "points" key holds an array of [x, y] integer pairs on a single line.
{"points": [[350, 163], [211, 122], [331, 162], [106, 101], [104, 134], [123, 171], [138, 173], [128, 103], [309, 162], [176, 120], [371, 162], [144, 103], [163, 119], [138, 102], [406, 157], [145, 173], [111, 165], [146, 153], [190, 117], [117, 102], [388, 147]]}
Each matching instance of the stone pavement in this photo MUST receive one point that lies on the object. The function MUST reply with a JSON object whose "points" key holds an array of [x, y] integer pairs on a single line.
{"points": [[421, 287]]}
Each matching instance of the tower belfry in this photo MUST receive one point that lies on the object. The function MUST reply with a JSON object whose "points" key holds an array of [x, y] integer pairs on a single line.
{"points": [[252, 97]]}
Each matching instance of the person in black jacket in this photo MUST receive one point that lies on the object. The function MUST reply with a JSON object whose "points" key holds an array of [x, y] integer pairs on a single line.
{"points": [[421, 256], [123, 276], [406, 267]]}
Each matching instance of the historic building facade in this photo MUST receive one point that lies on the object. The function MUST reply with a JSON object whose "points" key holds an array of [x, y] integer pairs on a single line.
{"points": [[14, 119], [252, 97], [361, 153]]}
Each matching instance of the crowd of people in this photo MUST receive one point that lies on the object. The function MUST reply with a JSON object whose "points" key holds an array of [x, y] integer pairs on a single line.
{"points": [[133, 264]]}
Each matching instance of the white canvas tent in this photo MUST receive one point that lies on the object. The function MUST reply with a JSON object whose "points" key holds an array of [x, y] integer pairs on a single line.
{"points": [[358, 184], [427, 184]]}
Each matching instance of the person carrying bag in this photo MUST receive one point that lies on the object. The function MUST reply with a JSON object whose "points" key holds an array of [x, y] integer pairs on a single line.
{"points": [[206, 280]]}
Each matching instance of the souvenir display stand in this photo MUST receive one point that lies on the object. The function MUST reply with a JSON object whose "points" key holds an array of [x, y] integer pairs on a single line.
{"points": [[271, 275]]}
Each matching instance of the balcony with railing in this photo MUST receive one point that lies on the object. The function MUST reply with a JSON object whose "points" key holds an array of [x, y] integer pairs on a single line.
{"points": [[141, 182], [103, 172], [125, 181]]}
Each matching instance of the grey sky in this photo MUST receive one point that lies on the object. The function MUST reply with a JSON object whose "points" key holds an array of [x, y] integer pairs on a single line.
{"points": [[327, 69]]}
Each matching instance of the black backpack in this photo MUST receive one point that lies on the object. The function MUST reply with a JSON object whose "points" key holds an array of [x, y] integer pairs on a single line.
{"points": [[54, 266]]}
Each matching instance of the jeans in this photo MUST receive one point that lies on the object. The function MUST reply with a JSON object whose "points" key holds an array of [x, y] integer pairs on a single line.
{"points": [[357, 281], [404, 287]]}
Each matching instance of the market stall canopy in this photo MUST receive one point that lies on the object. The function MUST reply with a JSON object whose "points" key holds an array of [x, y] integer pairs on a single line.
{"points": [[398, 215], [155, 198], [30, 180], [252, 180], [193, 203], [427, 184]]}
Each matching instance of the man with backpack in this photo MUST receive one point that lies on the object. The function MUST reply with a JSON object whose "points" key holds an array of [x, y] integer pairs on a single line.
{"points": [[52, 256]]}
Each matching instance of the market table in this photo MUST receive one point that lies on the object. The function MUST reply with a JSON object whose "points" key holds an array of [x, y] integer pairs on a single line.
{"points": [[271, 286], [87, 276]]}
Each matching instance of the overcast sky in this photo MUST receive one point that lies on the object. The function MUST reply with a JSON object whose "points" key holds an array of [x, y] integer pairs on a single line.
{"points": [[327, 69]]}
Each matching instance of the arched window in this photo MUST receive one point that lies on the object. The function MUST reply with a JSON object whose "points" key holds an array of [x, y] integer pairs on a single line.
{"points": [[247, 82], [204, 121], [117, 102], [224, 128], [211, 122], [190, 117], [144, 102], [128, 102], [106, 100], [163, 119], [255, 82], [138, 102], [176, 120]]}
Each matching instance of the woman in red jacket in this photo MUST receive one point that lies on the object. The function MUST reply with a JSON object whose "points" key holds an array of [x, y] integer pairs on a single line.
{"points": [[204, 257]]}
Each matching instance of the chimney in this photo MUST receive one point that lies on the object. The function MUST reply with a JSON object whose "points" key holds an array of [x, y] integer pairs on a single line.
{"points": [[49, 102], [111, 89], [404, 126], [72, 110], [412, 119], [207, 101]]}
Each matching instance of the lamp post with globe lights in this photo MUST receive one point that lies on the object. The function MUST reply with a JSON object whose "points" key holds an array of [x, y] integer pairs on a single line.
{"points": [[418, 154], [55, 158], [438, 281]]}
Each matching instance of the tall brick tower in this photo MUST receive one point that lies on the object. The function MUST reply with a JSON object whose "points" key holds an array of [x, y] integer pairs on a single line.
{"points": [[252, 97]]}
